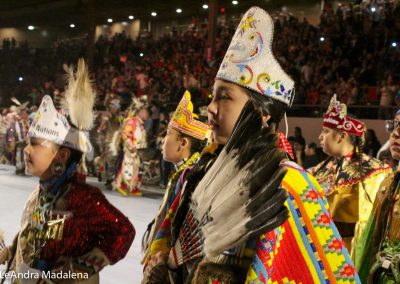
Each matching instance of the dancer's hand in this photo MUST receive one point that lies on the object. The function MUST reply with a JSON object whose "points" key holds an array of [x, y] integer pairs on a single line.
{"points": [[156, 270]]}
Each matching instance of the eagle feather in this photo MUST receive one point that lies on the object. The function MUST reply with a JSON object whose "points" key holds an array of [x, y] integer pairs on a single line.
{"points": [[240, 196]]}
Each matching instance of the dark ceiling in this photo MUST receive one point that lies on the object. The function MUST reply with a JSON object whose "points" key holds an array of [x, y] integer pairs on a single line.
{"points": [[59, 13]]}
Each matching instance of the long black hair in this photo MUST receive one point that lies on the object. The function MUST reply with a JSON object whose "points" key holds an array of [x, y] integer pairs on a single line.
{"points": [[358, 143], [268, 106]]}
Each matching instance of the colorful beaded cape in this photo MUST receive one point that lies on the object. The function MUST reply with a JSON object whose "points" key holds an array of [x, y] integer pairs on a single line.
{"points": [[307, 248]]}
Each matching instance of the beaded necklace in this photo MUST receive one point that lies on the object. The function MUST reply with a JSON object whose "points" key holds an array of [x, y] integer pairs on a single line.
{"points": [[172, 181], [47, 223]]}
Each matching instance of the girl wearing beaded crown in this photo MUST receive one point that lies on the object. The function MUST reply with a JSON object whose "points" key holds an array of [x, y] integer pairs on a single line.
{"points": [[252, 216], [349, 177]]}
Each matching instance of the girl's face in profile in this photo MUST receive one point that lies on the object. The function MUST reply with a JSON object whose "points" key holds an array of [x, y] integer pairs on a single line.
{"points": [[224, 109]]}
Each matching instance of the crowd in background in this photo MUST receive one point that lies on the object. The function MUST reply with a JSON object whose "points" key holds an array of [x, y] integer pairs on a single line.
{"points": [[354, 52]]}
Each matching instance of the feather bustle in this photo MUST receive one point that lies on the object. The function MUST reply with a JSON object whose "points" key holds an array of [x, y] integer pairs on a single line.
{"points": [[4, 251], [115, 142]]}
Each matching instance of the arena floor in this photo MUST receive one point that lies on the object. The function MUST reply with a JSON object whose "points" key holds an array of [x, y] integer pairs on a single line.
{"points": [[15, 190]]}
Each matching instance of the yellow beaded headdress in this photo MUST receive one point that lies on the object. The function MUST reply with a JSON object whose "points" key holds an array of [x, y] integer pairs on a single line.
{"points": [[185, 121]]}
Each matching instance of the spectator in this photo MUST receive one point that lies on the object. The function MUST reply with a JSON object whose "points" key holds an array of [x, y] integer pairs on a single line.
{"points": [[372, 144], [311, 158], [298, 136]]}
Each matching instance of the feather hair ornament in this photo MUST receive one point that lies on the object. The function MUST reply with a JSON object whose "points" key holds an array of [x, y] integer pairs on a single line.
{"points": [[137, 104], [3, 126], [79, 96], [15, 101], [22, 107], [240, 196], [4, 251], [115, 142]]}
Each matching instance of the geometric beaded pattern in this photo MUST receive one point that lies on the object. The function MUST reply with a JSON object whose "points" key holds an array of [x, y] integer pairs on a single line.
{"points": [[308, 247]]}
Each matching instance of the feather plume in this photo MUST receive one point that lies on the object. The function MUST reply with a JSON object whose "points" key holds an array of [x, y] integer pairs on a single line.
{"points": [[15, 101], [137, 104], [79, 96], [22, 107], [1, 238], [240, 196], [3, 126], [4, 251], [115, 142]]}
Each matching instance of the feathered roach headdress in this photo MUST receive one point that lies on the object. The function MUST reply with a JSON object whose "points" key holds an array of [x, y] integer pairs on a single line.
{"points": [[79, 100], [137, 104], [18, 107]]}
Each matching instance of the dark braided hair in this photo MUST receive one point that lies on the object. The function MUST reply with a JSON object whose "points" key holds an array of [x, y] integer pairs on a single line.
{"points": [[359, 143]]}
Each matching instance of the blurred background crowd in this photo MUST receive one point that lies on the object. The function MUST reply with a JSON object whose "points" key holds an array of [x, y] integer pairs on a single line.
{"points": [[353, 52]]}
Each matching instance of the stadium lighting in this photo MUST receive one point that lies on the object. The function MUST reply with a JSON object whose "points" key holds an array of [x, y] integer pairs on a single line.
{"points": [[205, 6], [373, 9], [141, 54], [234, 2], [322, 39], [20, 79], [153, 14], [179, 11], [131, 17], [109, 20], [31, 28], [72, 26], [394, 44]]}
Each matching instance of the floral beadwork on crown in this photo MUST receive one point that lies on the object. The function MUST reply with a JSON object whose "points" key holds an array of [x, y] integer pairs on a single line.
{"points": [[249, 61], [336, 118]]}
